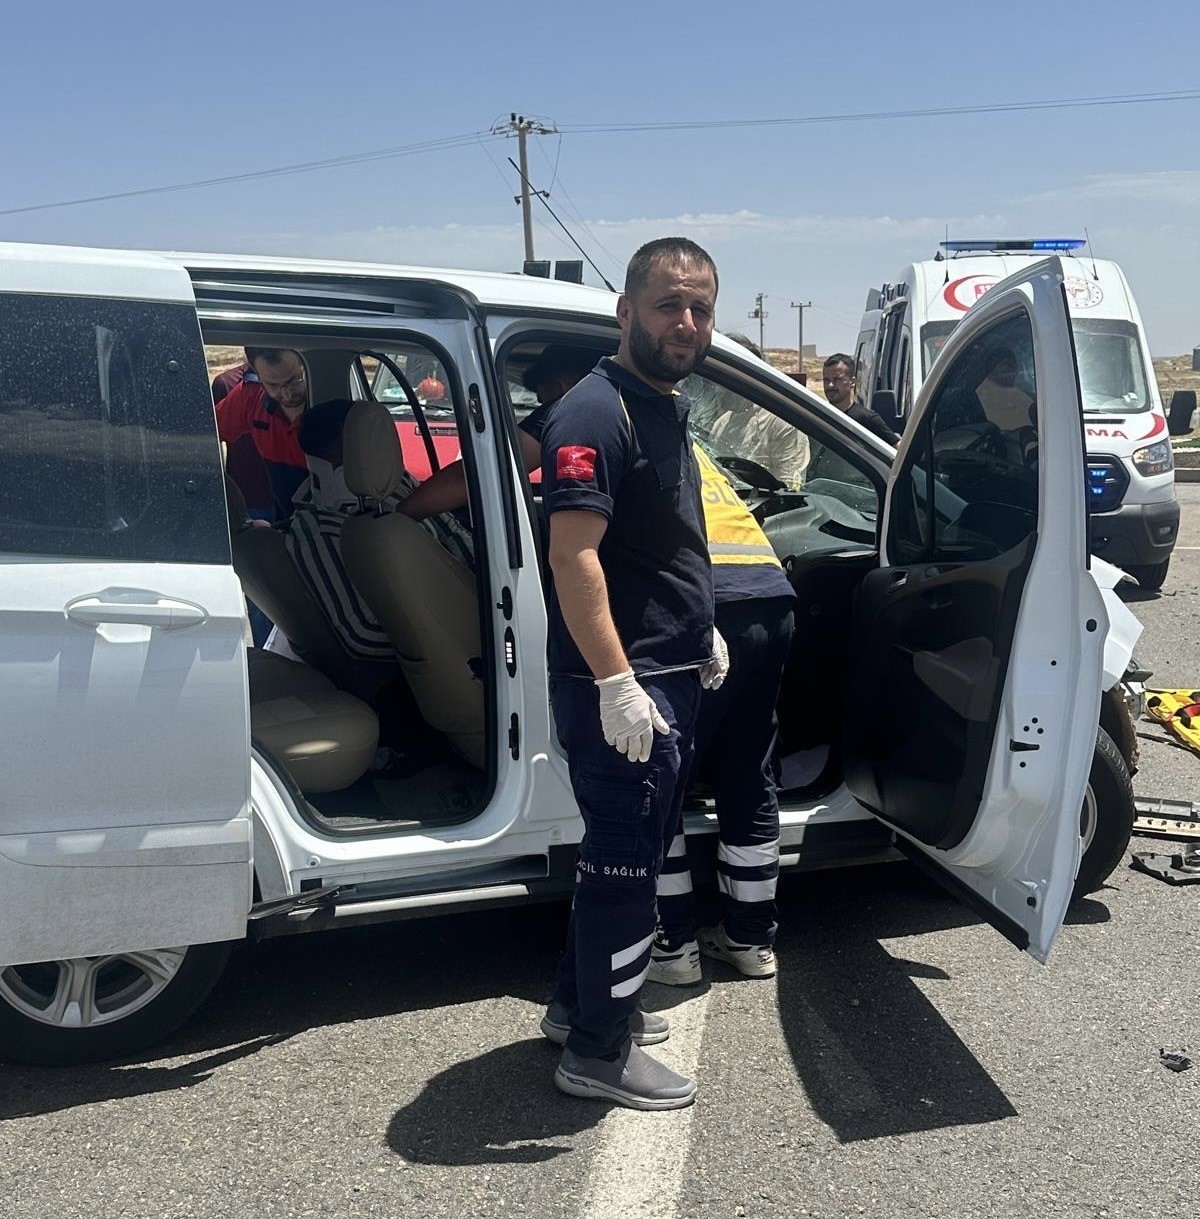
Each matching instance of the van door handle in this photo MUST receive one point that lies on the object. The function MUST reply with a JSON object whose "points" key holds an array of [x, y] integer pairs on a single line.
{"points": [[149, 609]]}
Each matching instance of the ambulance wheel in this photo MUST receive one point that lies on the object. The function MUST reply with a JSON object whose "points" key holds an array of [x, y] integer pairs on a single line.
{"points": [[61, 1013], [1106, 819], [1149, 575]]}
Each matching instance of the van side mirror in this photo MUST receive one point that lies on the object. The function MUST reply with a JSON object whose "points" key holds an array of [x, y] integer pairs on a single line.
{"points": [[1180, 412], [883, 403]]}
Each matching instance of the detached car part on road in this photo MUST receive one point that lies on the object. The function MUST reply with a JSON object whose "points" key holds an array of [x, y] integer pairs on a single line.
{"points": [[955, 690]]}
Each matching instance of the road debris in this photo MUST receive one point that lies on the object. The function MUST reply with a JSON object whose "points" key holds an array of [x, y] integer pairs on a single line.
{"points": [[1183, 869], [1167, 818], [1175, 1060]]}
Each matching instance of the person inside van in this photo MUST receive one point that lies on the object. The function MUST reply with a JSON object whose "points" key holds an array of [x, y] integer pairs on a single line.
{"points": [[554, 371], [268, 408], [1003, 401]]}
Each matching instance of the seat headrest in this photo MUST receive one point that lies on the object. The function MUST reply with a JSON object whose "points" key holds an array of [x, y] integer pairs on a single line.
{"points": [[371, 453], [235, 504]]}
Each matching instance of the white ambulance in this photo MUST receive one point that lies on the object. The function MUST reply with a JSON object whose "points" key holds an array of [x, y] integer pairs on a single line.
{"points": [[1130, 471]]}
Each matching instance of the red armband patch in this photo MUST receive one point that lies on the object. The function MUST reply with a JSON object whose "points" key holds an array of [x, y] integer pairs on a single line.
{"points": [[575, 463]]}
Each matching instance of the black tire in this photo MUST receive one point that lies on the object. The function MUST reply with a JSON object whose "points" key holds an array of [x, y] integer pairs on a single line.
{"points": [[44, 1042], [1180, 412], [1150, 576], [1109, 801]]}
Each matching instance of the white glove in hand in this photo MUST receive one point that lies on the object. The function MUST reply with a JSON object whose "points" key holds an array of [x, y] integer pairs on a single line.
{"points": [[713, 673], [628, 716]]}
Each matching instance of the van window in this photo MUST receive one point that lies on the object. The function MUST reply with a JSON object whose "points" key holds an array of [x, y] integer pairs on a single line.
{"points": [[1112, 375], [969, 489], [107, 432], [413, 383], [730, 425]]}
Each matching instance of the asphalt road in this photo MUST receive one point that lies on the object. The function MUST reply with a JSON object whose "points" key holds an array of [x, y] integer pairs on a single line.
{"points": [[906, 1062]]}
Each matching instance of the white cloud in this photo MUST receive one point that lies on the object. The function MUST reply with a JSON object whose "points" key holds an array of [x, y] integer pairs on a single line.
{"points": [[1176, 187], [829, 259]]}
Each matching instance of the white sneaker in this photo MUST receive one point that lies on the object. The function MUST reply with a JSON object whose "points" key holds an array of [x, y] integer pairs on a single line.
{"points": [[675, 966], [751, 960]]}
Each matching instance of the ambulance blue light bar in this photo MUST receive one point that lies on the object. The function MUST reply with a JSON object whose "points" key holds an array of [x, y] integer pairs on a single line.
{"points": [[1019, 246]]}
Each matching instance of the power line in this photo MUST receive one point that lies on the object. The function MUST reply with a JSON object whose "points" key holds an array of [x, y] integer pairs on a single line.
{"points": [[573, 210], [460, 141], [354, 158], [570, 237], [1113, 99]]}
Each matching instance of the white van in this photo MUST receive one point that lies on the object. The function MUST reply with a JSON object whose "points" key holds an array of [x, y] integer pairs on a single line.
{"points": [[169, 791], [1130, 471]]}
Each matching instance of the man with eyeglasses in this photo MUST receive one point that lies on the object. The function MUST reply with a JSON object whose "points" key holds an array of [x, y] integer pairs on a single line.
{"points": [[837, 375], [269, 410]]}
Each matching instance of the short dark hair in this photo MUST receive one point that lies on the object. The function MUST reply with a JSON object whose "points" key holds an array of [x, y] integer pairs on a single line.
{"points": [[666, 249], [321, 427], [272, 355], [839, 357], [556, 360], [747, 342]]}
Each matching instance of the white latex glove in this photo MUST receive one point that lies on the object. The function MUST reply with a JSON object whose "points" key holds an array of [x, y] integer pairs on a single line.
{"points": [[628, 716], [713, 673]]}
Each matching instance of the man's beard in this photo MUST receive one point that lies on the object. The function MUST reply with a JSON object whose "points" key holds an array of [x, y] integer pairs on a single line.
{"points": [[655, 363]]}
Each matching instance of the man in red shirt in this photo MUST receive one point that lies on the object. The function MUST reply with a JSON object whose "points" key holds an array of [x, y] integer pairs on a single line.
{"points": [[269, 411]]}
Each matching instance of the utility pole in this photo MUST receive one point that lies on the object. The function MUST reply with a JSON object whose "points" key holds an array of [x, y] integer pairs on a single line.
{"points": [[761, 314], [520, 126], [800, 306]]}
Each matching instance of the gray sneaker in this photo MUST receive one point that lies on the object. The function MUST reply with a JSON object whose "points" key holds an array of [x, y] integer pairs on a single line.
{"points": [[648, 1028], [634, 1080]]}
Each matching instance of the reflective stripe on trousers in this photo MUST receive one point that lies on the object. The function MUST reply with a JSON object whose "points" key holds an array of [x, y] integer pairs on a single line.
{"points": [[629, 812], [735, 747]]}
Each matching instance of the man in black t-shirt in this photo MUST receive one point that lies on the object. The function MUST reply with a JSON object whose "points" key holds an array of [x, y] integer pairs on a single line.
{"points": [[631, 645], [837, 375]]}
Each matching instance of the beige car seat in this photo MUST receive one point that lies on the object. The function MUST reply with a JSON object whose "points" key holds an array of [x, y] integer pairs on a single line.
{"points": [[423, 597], [325, 737], [273, 582]]}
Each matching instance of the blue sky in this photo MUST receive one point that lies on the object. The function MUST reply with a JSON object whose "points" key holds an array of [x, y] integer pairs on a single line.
{"points": [[103, 98]]}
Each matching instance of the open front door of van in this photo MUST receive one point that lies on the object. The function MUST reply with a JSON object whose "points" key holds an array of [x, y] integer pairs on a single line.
{"points": [[977, 646], [124, 822]]}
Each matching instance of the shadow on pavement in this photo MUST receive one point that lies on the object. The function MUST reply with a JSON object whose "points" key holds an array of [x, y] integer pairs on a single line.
{"points": [[272, 991], [506, 1111], [874, 1055]]}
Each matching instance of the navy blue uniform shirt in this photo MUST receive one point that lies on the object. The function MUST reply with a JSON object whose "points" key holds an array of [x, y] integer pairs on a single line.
{"points": [[638, 472]]}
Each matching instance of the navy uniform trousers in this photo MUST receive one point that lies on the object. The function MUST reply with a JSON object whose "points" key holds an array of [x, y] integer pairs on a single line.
{"points": [[630, 811], [735, 739]]}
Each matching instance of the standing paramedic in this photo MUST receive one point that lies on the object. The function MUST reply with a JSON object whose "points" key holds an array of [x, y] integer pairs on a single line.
{"points": [[735, 746], [631, 642]]}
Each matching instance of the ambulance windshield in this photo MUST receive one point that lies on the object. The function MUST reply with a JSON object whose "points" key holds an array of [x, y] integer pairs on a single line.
{"points": [[1112, 375]]}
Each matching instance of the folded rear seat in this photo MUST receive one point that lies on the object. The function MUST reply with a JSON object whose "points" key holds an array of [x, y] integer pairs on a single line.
{"points": [[325, 737]]}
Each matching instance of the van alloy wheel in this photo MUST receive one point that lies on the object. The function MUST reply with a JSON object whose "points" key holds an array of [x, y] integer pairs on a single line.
{"points": [[1088, 816], [1105, 817], [89, 1009], [88, 991]]}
